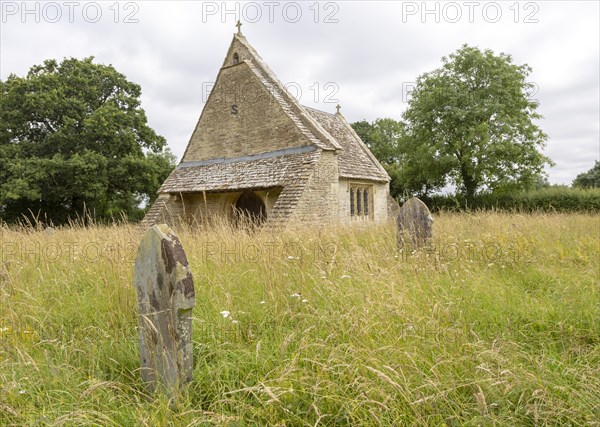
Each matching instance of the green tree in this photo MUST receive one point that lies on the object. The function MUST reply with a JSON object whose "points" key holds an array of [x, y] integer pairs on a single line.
{"points": [[382, 138], [363, 129], [589, 179], [471, 123], [387, 140], [72, 137]]}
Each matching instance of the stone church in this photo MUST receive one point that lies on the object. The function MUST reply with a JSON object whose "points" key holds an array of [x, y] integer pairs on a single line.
{"points": [[257, 153]]}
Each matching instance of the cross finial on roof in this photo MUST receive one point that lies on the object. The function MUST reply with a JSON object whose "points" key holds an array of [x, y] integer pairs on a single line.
{"points": [[337, 107], [239, 27]]}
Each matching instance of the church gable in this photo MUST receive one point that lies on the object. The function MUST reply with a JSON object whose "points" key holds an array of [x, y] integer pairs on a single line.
{"points": [[239, 51], [241, 118], [250, 112]]}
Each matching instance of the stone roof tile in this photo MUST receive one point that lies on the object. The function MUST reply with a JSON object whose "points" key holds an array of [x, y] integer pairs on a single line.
{"points": [[355, 159], [277, 171]]}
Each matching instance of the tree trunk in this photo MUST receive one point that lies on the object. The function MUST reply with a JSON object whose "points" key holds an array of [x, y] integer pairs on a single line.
{"points": [[469, 183]]}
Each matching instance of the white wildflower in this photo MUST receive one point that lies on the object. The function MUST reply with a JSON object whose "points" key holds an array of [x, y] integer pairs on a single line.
{"points": [[225, 313]]}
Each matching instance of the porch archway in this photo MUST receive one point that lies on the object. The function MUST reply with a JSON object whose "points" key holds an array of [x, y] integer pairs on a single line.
{"points": [[249, 208]]}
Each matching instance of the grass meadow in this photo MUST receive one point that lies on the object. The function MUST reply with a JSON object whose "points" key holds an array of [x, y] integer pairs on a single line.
{"points": [[496, 323]]}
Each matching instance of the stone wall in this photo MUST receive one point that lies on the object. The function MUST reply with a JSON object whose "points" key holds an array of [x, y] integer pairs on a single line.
{"points": [[172, 212], [319, 201], [199, 208], [379, 200], [326, 199], [344, 201]]}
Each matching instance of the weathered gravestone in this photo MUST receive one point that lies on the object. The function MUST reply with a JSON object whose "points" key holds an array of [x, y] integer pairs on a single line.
{"points": [[415, 220], [165, 292]]}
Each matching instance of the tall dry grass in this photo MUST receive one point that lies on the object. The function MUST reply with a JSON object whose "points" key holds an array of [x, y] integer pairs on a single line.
{"points": [[495, 323]]}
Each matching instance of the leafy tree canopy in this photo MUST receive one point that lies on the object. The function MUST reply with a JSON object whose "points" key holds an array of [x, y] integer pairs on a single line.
{"points": [[589, 179], [469, 123], [72, 137]]}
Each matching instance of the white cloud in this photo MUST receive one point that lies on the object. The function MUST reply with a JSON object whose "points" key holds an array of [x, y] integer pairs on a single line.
{"points": [[176, 47]]}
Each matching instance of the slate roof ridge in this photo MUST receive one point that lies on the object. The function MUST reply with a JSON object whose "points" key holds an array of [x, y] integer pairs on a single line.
{"points": [[304, 121]]}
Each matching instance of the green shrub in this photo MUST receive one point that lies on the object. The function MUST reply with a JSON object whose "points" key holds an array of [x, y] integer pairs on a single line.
{"points": [[551, 199]]}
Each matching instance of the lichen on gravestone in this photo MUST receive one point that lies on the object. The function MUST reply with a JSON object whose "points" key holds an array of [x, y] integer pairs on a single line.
{"points": [[166, 297]]}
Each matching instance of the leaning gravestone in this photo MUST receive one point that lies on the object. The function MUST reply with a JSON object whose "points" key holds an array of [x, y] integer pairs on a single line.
{"points": [[165, 293], [415, 220]]}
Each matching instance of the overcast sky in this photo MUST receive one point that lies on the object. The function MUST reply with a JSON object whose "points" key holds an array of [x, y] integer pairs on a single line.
{"points": [[363, 54]]}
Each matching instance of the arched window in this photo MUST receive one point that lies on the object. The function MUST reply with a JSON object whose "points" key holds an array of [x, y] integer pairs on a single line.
{"points": [[361, 201], [236, 58]]}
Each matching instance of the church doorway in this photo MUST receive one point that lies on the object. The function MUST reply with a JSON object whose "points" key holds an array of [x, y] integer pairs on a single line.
{"points": [[249, 209]]}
